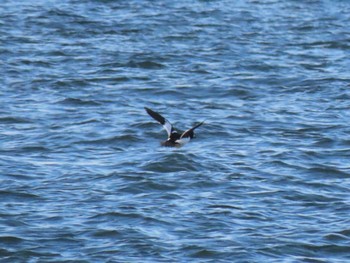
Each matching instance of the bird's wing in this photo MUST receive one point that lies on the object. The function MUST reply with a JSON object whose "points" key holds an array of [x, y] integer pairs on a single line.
{"points": [[188, 134], [159, 118]]}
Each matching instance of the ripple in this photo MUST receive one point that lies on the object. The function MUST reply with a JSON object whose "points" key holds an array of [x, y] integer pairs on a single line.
{"points": [[18, 196], [10, 240], [84, 178], [173, 163], [78, 102], [120, 217], [113, 140], [145, 64], [13, 120], [106, 233], [327, 171]]}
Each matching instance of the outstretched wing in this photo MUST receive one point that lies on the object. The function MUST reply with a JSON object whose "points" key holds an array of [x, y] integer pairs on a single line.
{"points": [[187, 135], [159, 118], [189, 132]]}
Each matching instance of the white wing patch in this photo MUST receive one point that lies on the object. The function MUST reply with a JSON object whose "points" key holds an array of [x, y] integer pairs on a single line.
{"points": [[183, 141], [167, 126]]}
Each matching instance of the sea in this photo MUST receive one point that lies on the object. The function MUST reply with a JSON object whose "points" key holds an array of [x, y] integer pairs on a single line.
{"points": [[83, 177]]}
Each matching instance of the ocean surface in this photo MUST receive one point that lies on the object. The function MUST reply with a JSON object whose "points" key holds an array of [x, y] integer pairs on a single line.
{"points": [[83, 177]]}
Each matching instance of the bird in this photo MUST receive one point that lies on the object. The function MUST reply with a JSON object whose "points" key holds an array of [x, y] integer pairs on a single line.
{"points": [[175, 139]]}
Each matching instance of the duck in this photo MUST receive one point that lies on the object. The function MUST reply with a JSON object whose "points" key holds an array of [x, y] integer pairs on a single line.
{"points": [[175, 138]]}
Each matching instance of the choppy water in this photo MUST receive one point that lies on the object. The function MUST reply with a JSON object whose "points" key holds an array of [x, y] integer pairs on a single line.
{"points": [[83, 177]]}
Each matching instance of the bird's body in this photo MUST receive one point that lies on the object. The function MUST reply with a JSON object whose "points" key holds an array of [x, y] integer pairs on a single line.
{"points": [[174, 138]]}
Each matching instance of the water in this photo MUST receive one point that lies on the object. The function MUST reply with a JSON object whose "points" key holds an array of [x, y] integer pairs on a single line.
{"points": [[83, 177]]}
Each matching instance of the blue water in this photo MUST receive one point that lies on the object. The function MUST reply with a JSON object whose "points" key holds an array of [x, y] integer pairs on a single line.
{"points": [[83, 176]]}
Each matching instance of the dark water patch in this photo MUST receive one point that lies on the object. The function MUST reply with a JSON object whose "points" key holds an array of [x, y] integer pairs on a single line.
{"points": [[57, 53], [35, 63], [240, 92], [345, 232], [204, 253], [128, 218], [320, 186], [105, 233], [158, 186], [325, 142], [146, 185], [10, 240], [18, 196], [5, 253], [33, 149], [342, 97], [145, 127], [328, 250], [69, 83], [172, 163], [145, 64], [14, 120], [312, 199], [328, 171], [78, 102], [279, 166], [87, 121], [57, 238], [169, 94], [111, 141], [206, 183], [110, 79], [336, 237], [345, 142]]}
